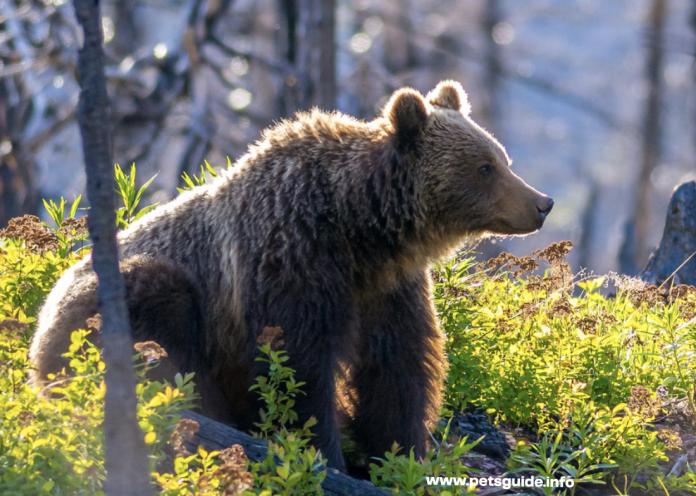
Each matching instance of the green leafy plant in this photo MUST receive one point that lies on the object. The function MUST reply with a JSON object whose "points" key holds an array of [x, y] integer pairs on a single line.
{"points": [[534, 352], [548, 459], [57, 211], [26, 277], [68, 230], [190, 183], [408, 476], [278, 391], [51, 445], [679, 344], [293, 466], [553, 460], [212, 473], [131, 197]]}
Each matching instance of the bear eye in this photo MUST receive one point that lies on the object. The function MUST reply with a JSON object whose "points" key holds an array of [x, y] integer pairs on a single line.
{"points": [[486, 170]]}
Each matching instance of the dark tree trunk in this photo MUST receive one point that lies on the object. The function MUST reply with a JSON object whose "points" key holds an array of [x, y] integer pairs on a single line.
{"points": [[399, 54], [21, 111], [588, 225], [287, 48], [326, 98], [492, 73], [307, 53], [492, 15], [125, 35], [307, 44], [651, 131], [127, 464]]}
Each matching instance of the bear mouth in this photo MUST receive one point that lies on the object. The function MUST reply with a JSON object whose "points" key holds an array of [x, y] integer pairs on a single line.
{"points": [[508, 229]]}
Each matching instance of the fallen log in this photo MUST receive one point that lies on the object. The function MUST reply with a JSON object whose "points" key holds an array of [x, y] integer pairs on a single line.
{"points": [[674, 256], [213, 435]]}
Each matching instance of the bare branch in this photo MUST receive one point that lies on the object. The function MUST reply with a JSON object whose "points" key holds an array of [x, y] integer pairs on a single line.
{"points": [[228, 50], [19, 68]]}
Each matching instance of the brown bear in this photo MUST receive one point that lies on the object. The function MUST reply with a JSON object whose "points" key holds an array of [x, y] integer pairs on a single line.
{"points": [[325, 228]]}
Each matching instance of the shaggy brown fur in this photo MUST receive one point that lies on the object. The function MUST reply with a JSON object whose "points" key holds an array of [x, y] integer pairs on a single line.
{"points": [[325, 228]]}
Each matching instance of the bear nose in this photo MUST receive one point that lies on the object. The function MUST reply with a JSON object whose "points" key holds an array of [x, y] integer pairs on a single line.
{"points": [[544, 211]]}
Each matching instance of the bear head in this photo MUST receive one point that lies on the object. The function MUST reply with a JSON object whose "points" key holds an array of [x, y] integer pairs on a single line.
{"points": [[462, 172]]}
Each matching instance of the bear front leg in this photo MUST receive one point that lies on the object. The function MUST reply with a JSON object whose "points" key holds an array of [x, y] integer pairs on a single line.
{"points": [[397, 380], [315, 320], [318, 400]]}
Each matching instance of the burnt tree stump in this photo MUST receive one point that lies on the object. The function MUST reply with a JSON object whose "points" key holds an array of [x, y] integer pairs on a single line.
{"points": [[675, 253]]}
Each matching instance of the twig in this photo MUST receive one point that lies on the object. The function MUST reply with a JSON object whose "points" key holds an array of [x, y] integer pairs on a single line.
{"points": [[284, 69], [677, 270]]}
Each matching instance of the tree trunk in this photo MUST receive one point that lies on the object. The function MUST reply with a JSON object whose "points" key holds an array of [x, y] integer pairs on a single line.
{"points": [[287, 48], [326, 98], [398, 56], [308, 43], [651, 131], [127, 464], [588, 217], [491, 78], [492, 15], [125, 35], [21, 118]]}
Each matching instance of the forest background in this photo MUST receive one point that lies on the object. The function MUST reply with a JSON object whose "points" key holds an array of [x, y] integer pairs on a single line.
{"points": [[594, 100]]}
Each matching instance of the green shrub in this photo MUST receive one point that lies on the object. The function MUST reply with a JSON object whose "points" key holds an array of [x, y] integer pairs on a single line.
{"points": [[406, 475], [532, 353], [51, 440], [293, 466]]}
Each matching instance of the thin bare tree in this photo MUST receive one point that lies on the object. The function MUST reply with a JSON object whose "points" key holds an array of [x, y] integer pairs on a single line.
{"points": [[126, 460]]}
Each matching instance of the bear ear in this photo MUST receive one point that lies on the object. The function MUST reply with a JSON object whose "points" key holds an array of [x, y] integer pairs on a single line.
{"points": [[450, 95], [408, 113]]}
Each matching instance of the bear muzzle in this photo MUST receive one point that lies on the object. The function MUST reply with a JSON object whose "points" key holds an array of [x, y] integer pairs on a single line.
{"points": [[525, 218], [544, 210]]}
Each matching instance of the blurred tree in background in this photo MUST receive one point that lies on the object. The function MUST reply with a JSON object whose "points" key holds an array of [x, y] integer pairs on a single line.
{"points": [[594, 100]]}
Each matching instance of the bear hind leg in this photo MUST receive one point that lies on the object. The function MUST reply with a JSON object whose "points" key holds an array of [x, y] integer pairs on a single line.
{"points": [[164, 306]]}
